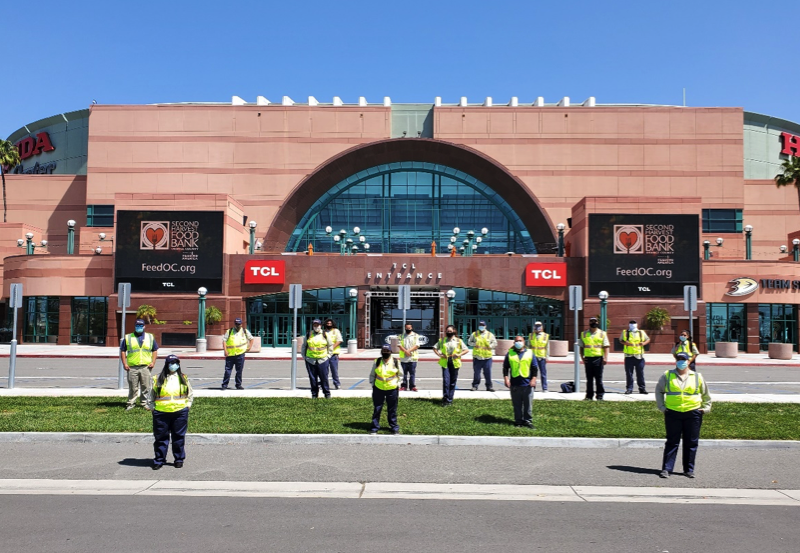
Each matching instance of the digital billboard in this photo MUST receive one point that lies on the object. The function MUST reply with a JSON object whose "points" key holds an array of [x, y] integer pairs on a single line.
{"points": [[169, 251], [643, 255]]}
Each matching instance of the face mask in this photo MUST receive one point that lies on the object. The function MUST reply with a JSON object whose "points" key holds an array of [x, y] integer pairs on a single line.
{"points": [[538, 328], [481, 328], [451, 334], [683, 338], [519, 345], [592, 324], [317, 330], [174, 367], [329, 327], [386, 355], [632, 327], [409, 330], [682, 364], [139, 329]]}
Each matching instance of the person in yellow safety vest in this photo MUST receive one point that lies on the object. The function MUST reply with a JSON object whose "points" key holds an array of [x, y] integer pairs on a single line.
{"points": [[317, 350], [450, 350], [483, 344], [385, 378], [519, 374], [594, 354], [539, 342], [633, 341], [138, 352], [683, 396], [170, 399], [336, 339], [687, 346], [409, 355], [238, 341]]}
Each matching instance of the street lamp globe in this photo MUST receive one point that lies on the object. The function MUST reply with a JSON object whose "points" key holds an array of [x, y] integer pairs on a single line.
{"points": [[98, 250], [102, 236], [452, 238], [456, 230], [720, 241], [29, 236], [44, 243], [71, 223], [748, 229], [20, 241], [484, 231], [362, 238], [328, 230], [783, 249], [352, 292], [450, 294], [202, 291], [366, 247], [561, 226], [356, 230], [355, 249], [253, 224], [479, 240], [796, 241], [603, 295], [706, 243], [336, 238]]}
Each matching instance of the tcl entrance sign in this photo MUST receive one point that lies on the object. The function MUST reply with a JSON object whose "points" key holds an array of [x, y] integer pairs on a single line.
{"points": [[265, 272], [546, 274]]}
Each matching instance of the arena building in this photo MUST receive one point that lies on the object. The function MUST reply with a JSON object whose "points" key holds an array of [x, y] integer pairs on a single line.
{"points": [[352, 200]]}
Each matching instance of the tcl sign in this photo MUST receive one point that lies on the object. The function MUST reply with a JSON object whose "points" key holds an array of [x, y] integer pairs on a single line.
{"points": [[265, 272], [546, 274]]}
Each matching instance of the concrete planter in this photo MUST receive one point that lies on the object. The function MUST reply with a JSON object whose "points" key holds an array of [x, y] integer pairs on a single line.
{"points": [[214, 342], [559, 348], [780, 351], [726, 350], [503, 346], [256, 345]]}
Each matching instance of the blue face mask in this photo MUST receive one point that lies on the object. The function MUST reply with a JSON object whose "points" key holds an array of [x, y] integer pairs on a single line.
{"points": [[519, 345], [481, 328], [683, 338], [174, 367], [138, 329], [682, 364]]}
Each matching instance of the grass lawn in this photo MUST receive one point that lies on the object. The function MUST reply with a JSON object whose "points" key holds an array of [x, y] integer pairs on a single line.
{"points": [[467, 417]]}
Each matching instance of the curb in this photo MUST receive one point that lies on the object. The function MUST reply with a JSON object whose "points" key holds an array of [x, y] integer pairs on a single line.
{"points": [[367, 439]]}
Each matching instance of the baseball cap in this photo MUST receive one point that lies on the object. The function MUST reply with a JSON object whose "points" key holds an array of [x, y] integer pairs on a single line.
{"points": [[482, 323], [683, 357], [139, 322], [386, 347], [592, 319], [632, 322], [316, 322], [172, 359], [237, 321], [538, 323]]}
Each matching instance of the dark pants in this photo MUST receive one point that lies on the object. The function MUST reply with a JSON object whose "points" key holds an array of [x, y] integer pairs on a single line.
{"points": [[449, 380], [594, 376], [318, 377], [484, 366], [409, 374], [378, 398], [334, 366], [632, 364], [679, 426], [166, 425], [541, 363], [238, 361], [522, 400]]}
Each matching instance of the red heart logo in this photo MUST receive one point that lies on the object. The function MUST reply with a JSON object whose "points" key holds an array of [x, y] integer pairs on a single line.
{"points": [[629, 239], [154, 235]]}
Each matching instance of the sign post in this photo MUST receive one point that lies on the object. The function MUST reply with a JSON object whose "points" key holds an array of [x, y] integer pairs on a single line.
{"points": [[575, 305], [15, 303], [404, 302], [123, 301], [295, 301], [690, 305]]}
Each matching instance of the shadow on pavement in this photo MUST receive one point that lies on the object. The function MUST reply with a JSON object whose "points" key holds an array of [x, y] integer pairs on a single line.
{"points": [[637, 470], [130, 462]]}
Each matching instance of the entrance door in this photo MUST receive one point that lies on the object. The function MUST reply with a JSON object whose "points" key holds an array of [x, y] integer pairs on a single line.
{"points": [[387, 320]]}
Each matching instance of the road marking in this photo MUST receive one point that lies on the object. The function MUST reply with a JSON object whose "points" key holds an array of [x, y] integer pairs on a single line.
{"points": [[399, 490]]}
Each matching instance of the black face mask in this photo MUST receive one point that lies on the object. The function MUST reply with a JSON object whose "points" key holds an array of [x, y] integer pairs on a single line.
{"points": [[451, 334], [593, 324], [409, 330], [386, 355]]}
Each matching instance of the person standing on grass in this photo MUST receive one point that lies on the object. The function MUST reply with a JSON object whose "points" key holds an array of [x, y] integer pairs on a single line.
{"points": [[385, 379], [594, 354], [450, 350], [634, 341], [170, 399], [238, 341], [409, 355], [483, 344], [539, 341], [336, 339], [682, 395], [519, 374], [138, 352], [317, 349]]}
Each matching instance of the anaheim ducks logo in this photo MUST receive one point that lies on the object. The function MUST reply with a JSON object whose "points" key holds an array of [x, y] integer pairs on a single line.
{"points": [[742, 286]]}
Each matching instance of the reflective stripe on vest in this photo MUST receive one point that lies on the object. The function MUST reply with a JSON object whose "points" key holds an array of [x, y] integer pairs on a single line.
{"points": [[442, 347], [173, 396], [386, 375], [336, 336], [539, 345], [483, 348], [593, 343], [636, 338], [685, 347], [687, 399], [317, 347], [139, 355], [409, 341], [520, 367], [236, 344]]}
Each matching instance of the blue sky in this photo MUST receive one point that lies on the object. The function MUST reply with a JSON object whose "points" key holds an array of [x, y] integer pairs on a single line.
{"points": [[725, 53]]}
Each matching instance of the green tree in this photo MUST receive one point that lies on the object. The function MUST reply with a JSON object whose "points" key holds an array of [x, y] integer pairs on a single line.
{"points": [[9, 156], [790, 175]]}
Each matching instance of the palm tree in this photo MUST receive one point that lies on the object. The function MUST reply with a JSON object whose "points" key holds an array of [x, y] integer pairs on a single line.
{"points": [[790, 175], [9, 156]]}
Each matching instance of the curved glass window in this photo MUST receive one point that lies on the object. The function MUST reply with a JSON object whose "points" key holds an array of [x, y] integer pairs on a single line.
{"points": [[402, 207]]}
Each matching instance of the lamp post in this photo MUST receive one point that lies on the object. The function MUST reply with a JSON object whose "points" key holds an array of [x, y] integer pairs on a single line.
{"points": [[28, 244], [784, 249], [748, 242], [796, 249], [348, 246], [102, 237], [252, 246], [707, 248], [560, 227], [603, 295], [451, 295], [70, 237], [353, 299], [201, 319], [470, 243]]}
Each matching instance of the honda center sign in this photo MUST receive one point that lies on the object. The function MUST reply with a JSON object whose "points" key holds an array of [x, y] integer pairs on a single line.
{"points": [[265, 272], [546, 274]]}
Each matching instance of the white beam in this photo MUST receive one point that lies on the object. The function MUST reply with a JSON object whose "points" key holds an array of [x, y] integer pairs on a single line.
{"points": [[539, 102], [564, 102], [387, 102], [463, 102], [514, 102], [287, 101], [337, 101], [437, 101], [236, 101], [488, 101], [590, 102], [362, 101], [261, 101], [312, 101]]}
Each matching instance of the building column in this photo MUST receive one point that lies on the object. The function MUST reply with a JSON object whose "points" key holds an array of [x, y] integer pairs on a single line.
{"points": [[64, 320], [753, 328]]}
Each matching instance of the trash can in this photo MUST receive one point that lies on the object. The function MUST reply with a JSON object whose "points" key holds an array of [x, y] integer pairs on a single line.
{"points": [[352, 346]]}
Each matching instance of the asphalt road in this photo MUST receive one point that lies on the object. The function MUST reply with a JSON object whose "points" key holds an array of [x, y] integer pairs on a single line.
{"points": [[264, 374]]}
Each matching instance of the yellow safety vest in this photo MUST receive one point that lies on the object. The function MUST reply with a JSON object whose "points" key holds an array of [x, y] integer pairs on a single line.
{"points": [[636, 337], [539, 345], [520, 367], [171, 397], [442, 347], [139, 355], [687, 399], [236, 344], [386, 374], [593, 343], [687, 348], [483, 348], [317, 346], [336, 336], [410, 341]]}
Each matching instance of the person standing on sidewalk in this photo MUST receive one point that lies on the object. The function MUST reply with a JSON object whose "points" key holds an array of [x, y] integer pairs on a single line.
{"points": [[170, 399], [594, 354], [317, 350], [634, 341], [539, 342], [238, 341], [686, 345], [519, 374], [450, 350], [336, 337], [409, 355], [483, 343], [138, 352], [385, 379], [682, 395]]}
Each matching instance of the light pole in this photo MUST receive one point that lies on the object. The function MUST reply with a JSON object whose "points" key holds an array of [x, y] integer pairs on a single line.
{"points": [[29, 245], [707, 248], [796, 249], [353, 299], [201, 319], [70, 237], [470, 243], [451, 295], [348, 246], [560, 227], [748, 242], [252, 246], [603, 295]]}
